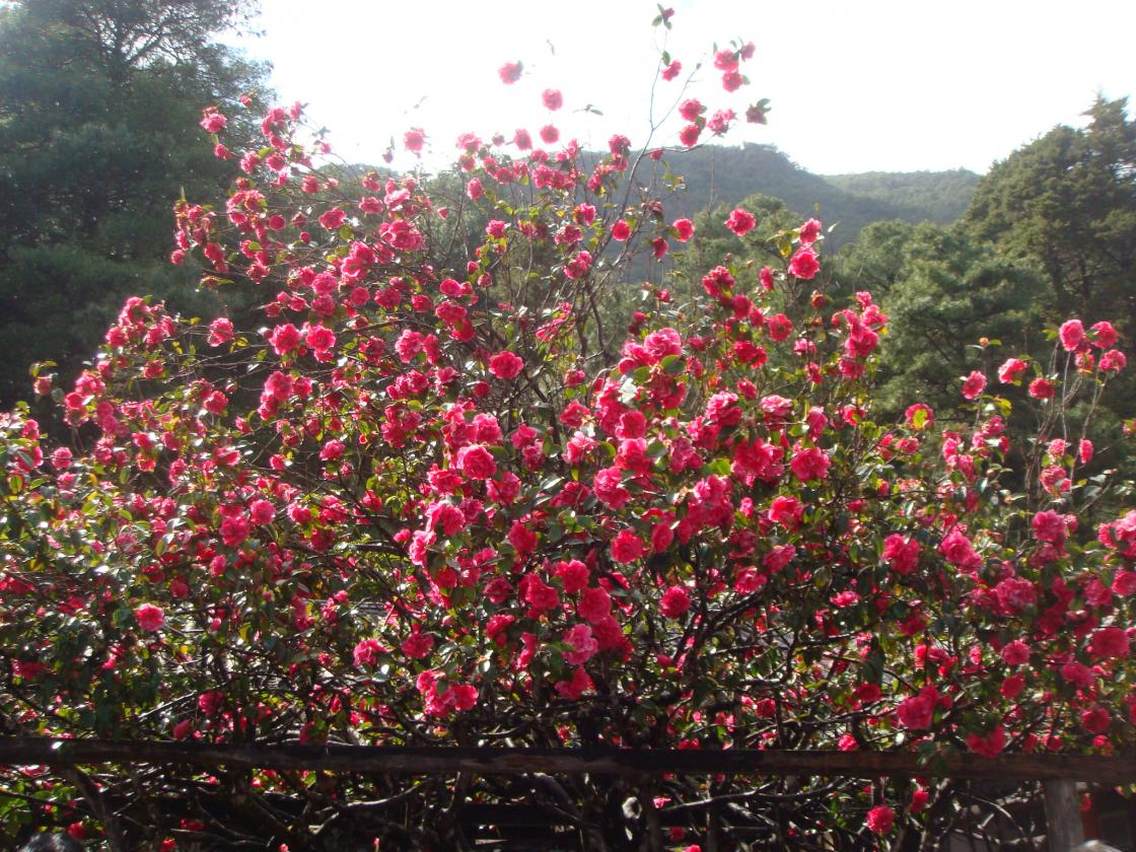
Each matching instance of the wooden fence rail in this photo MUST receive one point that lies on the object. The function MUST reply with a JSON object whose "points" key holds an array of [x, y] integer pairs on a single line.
{"points": [[26, 751]]}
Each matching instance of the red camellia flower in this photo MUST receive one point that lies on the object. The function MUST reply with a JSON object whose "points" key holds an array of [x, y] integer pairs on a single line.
{"points": [[902, 554], [150, 617], [1011, 370], [506, 365], [881, 819], [439, 462], [476, 462], [917, 712], [987, 745], [740, 221], [1109, 643], [809, 232], [675, 602], [804, 264], [810, 464], [1041, 389], [1104, 335], [973, 385], [627, 547]]}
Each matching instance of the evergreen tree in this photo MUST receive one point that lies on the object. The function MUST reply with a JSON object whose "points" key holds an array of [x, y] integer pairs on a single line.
{"points": [[99, 102]]}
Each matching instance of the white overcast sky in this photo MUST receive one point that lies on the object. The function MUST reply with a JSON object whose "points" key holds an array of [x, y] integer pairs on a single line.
{"points": [[857, 85]]}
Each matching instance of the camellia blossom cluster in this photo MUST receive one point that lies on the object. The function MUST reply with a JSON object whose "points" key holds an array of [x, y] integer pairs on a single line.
{"points": [[431, 496]]}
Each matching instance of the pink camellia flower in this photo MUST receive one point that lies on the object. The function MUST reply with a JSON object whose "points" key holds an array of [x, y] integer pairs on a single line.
{"points": [[417, 645], [1049, 526], [809, 232], [810, 464], [367, 653], [740, 221], [959, 550], [732, 81], [1072, 334], [262, 512], [476, 462], [549, 134], [1011, 370], [973, 385], [578, 266], [284, 338], [1113, 361], [620, 230], [1015, 594], [506, 365], [675, 602], [902, 554], [552, 99], [917, 712], [150, 617], [683, 228], [320, 338], [213, 121], [573, 575], [786, 511], [220, 331], [332, 450], [880, 819], [690, 109], [1085, 450], [804, 264], [522, 139], [627, 547], [1104, 335], [672, 70], [689, 134], [594, 605], [583, 642], [413, 139], [510, 72]]}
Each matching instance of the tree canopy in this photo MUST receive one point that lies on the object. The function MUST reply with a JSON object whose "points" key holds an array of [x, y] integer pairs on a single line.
{"points": [[97, 105]]}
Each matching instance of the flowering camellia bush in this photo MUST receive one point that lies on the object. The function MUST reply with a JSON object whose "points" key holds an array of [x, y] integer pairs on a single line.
{"points": [[443, 494]]}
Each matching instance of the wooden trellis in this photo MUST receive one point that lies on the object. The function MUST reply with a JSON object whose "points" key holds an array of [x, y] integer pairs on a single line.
{"points": [[1057, 772]]}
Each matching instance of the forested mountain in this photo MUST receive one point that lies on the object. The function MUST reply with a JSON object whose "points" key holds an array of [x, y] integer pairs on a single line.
{"points": [[723, 175], [942, 196]]}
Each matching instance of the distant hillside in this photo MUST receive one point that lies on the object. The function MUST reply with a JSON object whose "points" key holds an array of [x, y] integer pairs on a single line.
{"points": [[721, 175], [944, 195]]}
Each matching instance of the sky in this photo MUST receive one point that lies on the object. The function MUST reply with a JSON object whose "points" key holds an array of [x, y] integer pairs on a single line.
{"points": [[859, 85]]}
